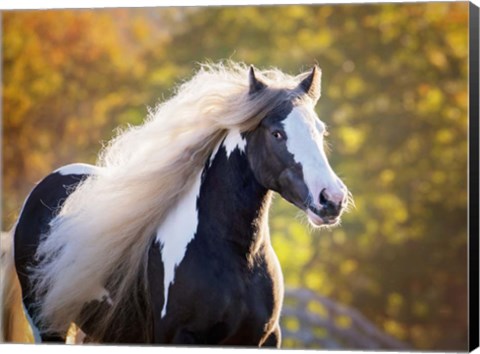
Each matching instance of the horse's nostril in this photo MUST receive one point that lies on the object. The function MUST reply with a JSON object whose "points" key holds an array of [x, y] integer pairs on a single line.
{"points": [[331, 207], [323, 197]]}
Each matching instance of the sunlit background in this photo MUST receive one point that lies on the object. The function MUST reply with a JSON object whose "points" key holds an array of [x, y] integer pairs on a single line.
{"points": [[394, 95]]}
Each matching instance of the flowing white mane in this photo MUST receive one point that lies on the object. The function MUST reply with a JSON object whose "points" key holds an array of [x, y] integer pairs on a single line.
{"points": [[103, 231]]}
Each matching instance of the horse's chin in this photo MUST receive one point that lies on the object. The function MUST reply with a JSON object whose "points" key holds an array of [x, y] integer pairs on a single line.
{"points": [[318, 221]]}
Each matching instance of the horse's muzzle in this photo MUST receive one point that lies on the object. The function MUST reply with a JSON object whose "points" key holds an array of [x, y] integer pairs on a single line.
{"points": [[327, 213]]}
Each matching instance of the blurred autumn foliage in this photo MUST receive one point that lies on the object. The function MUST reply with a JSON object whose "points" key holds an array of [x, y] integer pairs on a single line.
{"points": [[394, 95]]}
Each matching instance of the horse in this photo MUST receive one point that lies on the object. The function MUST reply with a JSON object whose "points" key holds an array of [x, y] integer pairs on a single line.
{"points": [[166, 239]]}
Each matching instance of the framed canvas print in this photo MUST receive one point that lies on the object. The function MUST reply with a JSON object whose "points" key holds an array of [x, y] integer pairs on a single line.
{"points": [[299, 176]]}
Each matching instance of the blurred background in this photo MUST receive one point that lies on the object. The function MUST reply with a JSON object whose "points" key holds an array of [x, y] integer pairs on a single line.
{"points": [[394, 95]]}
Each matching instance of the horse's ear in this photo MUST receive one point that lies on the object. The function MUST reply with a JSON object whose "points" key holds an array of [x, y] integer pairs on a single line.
{"points": [[255, 84], [311, 84]]}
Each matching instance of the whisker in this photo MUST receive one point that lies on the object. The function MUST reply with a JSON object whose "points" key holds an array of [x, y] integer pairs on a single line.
{"points": [[350, 204]]}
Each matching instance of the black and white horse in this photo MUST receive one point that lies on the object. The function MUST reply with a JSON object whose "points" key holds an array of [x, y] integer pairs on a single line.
{"points": [[210, 275]]}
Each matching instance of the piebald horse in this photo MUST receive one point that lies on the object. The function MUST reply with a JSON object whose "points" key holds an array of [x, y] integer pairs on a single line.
{"points": [[180, 252]]}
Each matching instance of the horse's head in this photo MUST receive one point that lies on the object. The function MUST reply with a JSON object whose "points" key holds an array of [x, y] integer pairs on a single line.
{"points": [[286, 153]]}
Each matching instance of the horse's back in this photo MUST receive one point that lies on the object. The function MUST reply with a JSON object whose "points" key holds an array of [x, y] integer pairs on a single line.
{"points": [[40, 207], [45, 200]]}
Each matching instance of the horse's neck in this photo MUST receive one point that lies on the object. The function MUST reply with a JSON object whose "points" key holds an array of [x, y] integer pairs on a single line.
{"points": [[232, 202]]}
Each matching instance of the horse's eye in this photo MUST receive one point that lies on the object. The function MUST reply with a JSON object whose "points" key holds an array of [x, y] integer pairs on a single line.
{"points": [[278, 135]]}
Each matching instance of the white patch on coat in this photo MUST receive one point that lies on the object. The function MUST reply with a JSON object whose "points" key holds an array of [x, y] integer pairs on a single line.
{"points": [[234, 140], [305, 142], [35, 331], [103, 295], [77, 169], [176, 232]]}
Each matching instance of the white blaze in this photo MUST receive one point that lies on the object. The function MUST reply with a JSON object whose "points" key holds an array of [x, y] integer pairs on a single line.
{"points": [[305, 142]]}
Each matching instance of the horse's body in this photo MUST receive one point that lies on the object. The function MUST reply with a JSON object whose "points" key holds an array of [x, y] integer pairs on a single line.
{"points": [[228, 279], [211, 276]]}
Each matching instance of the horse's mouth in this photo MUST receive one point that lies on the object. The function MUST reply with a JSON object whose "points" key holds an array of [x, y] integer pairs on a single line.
{"points": [[320, 217]]}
